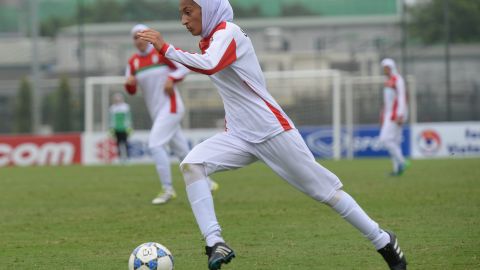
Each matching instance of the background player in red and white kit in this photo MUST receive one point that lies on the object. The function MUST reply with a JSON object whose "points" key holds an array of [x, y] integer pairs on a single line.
{"points": [[394, 115], [157, 77], [256, 129]]}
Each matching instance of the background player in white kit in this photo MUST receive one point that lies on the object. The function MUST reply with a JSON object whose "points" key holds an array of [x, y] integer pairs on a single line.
{"points": [[157, 78], [256, 129], [394, 115]]}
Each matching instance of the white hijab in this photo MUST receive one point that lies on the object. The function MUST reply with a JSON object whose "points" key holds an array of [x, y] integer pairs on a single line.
{"points": [[213, 13], [387, 62], [137, 28]]}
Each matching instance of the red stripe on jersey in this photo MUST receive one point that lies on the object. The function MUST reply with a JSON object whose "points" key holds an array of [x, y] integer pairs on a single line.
{"points": [[175, 80], [281, 119], [164, 48], [227, 59], [205, 42], [392, 83], [131, 89], [394, 110], [132, 67], [173, 103]]}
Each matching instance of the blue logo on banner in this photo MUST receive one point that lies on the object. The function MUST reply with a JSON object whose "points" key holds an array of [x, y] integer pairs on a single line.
{"points": [[138, 149], [365, 141]]}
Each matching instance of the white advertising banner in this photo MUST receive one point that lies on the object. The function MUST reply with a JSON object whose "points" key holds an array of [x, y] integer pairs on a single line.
{"points": [[432, 140], [100, 147]]}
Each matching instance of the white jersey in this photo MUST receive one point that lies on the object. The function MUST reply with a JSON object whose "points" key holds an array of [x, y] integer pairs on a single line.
{"points": [[394, 99], [228, 57], [151, 71]]}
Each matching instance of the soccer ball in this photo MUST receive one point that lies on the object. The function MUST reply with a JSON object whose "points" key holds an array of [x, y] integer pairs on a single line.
{"points": [[151, 256]]}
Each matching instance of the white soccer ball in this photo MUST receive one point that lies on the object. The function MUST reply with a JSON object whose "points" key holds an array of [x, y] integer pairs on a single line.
{"points": [[150, 256]]}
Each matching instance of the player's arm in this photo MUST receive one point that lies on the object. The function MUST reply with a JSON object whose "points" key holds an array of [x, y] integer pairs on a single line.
{"points": [[402, 101], [221, 53], [131, 81], [177, 73]]}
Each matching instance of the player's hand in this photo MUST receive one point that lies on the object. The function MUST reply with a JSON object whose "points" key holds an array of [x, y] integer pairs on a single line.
{"points": [[131, 80], [169, 87], [153, 37], [399, 121]]}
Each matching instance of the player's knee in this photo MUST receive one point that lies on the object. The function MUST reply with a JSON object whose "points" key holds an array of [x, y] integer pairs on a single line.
{"points": [[192, 172], [156, 149], [382, 140], [333, 200]]}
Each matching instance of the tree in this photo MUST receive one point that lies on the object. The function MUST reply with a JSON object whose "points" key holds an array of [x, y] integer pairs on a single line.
{"points": [[62, 115], [23, 108], [295, 9], [428, 21]]}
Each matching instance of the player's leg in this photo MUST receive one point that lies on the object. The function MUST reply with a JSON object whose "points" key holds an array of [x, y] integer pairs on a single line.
{"points": [[179, 146], [389, 138], [122, 146], [163, 167], [221, 152], [118, 141], [159, 137], [402, 162], [288, 155]]}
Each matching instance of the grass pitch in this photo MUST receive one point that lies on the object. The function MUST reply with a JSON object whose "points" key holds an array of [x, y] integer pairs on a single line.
{"points": [[93, 217]]}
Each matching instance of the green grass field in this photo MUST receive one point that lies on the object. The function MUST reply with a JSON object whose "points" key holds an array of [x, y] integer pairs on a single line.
{"points": [[93, 217]]}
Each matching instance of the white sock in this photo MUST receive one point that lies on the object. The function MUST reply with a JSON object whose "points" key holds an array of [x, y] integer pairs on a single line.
{"points": [[396, 165], [348, 208], [201, 202], [162, 163]]}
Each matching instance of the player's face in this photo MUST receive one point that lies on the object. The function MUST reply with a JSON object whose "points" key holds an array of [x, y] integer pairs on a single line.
{"points": [[387, 71], [191, 14], [141, 44]]}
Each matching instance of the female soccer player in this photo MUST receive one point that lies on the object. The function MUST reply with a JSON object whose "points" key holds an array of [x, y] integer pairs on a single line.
{"points": [[256, 129], [395, 114], [157, 78]]}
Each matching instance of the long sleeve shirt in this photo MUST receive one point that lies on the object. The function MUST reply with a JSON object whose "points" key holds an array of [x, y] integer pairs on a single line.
{"points": [[151, 71], [394, 99], [228, 57]]}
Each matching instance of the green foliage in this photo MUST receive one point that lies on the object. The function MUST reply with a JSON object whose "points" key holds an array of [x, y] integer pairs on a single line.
{"points": [[428, 21], [51, 25], [93, 217], [296, 9], [143, 10], [103, 11], [23, 108], [63, 109], [248, 12], [55, 14]]}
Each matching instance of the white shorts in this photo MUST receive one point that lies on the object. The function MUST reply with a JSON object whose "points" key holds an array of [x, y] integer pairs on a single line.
{"points": [[168, 132], [391, 132], [287, 155]]}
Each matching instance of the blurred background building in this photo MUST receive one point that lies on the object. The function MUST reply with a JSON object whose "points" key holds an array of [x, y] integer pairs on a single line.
{"points": [[435, 41]]}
